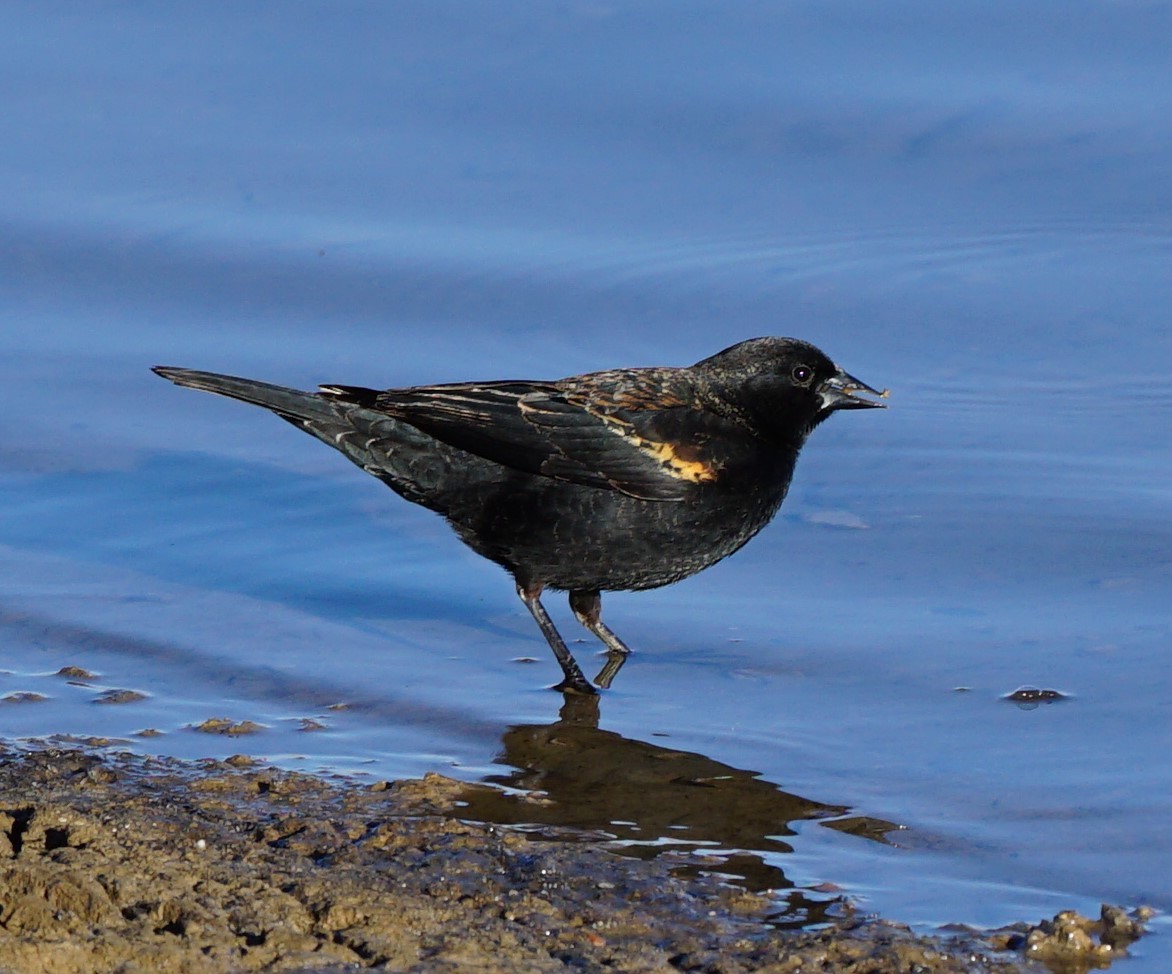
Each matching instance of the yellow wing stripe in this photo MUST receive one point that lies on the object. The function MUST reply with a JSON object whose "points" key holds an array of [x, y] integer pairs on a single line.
{"points": [[669, 457]]}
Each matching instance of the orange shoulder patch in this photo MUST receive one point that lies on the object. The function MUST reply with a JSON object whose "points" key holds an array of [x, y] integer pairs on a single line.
{"points": [[680, 462]]}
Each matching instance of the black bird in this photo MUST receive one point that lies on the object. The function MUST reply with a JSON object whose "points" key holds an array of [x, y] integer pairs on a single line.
{"points": [[620, 480]]}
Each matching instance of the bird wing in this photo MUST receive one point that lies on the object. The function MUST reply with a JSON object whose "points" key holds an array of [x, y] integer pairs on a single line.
{"points": [[480, 417], [633, 431]]}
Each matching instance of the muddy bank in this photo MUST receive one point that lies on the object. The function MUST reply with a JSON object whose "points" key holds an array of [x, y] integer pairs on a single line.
{"points": [[129, 864]]}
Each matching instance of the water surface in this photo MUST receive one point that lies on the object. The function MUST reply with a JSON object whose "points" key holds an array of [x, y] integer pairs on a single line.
{"points": [[969, 204]]}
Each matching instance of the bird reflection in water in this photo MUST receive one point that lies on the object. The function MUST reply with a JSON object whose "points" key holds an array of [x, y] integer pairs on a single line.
{"points": [[574, 781]]}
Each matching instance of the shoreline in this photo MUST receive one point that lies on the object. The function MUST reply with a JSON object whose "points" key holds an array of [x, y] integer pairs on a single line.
{"points": [[119, 862]]}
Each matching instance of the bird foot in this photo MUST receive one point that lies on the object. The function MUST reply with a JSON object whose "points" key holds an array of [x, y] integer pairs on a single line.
{"points": [[580, 688]]}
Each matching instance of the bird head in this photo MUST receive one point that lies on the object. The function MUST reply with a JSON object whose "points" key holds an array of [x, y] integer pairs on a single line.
{"points": [[781, 387]]}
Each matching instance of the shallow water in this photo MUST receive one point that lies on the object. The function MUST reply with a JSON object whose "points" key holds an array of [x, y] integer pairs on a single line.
{"points": [[945, 203]]}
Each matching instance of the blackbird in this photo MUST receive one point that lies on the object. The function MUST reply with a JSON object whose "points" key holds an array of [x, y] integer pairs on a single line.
{"points": [[620, 480]]}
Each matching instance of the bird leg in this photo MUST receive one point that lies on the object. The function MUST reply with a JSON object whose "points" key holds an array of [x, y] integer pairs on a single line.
{"points": [[587, 608], [574, 681]]}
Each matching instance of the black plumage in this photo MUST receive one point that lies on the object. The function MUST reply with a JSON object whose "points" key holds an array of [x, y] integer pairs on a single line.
{"points": [[620, 480]]}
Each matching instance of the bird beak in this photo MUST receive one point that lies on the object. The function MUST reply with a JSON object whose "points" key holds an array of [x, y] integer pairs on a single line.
{"points": [[841, 391]]}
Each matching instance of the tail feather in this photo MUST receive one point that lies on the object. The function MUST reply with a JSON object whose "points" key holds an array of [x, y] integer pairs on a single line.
{"points": [[292, 404], [357, 395], [409, 461]]}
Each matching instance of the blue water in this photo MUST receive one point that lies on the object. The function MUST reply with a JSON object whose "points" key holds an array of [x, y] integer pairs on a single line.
{"points": [[969, 203]]}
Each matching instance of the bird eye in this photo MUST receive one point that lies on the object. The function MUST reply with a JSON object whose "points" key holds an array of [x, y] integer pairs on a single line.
{"points": [[802, 374]]}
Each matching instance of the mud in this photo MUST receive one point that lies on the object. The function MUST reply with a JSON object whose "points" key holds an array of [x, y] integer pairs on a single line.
{"points": [[120, 863]]}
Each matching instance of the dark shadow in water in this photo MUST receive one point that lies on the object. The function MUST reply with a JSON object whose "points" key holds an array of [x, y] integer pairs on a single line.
{"points": [[653, 800]]}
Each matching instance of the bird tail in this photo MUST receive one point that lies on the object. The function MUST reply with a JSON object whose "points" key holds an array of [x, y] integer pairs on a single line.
{"points": [[290, 404], [404, 458]]}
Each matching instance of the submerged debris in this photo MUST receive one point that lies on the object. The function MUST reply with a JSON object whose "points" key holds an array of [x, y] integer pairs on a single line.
{"points": [[120, 696], [225, 725], [1072, 942], [1029, 697], [76, 673]]}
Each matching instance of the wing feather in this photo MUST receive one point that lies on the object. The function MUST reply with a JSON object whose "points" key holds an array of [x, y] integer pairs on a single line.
{"points": [[635, 431], [482, 418]]}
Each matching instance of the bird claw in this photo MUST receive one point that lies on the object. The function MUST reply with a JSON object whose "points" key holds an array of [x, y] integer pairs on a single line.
{"points": [[574, 687]]}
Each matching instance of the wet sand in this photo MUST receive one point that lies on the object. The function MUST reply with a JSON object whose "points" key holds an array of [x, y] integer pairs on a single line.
{"points": [[116, 862]]}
